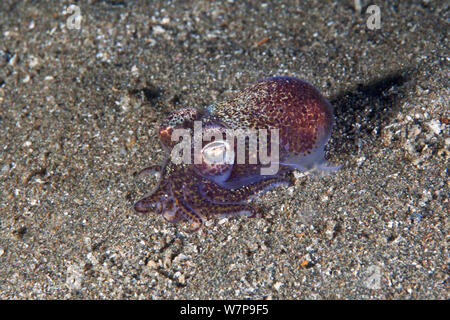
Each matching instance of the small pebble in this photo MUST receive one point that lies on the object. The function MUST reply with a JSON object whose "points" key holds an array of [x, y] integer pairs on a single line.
{"points": [[416, 217], [152, 264], [5, 168], [277, 285]]}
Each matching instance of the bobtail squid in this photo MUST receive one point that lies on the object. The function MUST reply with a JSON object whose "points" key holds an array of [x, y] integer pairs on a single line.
{"points": [[214, 178]]}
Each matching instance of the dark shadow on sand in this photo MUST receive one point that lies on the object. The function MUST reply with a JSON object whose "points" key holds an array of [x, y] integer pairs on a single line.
{"points": [[361, 112]]}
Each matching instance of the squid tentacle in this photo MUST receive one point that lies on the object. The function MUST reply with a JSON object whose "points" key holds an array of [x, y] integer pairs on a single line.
{"points": [[152, 201], [218, 195]]}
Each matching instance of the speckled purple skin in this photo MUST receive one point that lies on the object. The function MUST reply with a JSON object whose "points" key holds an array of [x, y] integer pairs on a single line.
{"points": [[304, 119]]}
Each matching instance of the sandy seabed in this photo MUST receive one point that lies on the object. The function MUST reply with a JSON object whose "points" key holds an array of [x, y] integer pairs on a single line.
{"points": [[80, 108]]}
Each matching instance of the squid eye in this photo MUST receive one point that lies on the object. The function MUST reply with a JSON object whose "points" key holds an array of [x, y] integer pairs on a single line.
{"points": [[217, 161], [217, 153]]}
